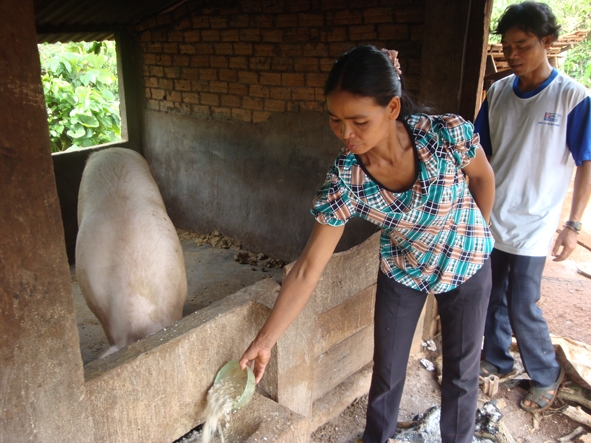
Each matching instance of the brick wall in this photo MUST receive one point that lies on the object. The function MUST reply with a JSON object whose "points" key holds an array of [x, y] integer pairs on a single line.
{"points": [[245, 60]]}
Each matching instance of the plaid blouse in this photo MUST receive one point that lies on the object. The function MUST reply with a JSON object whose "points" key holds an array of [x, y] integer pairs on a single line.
{"points": [[434, 237]]}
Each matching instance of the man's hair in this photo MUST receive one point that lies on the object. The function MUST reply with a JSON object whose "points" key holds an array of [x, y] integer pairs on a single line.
{"points": [[534, 17]]}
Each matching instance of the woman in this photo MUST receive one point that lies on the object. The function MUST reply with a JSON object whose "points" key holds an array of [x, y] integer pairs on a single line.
{"points": [[405, 172]]}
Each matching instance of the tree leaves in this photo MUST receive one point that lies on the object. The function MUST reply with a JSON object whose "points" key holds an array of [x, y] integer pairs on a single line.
{"points": [[90, 121], [81, 93], [76, 131]]}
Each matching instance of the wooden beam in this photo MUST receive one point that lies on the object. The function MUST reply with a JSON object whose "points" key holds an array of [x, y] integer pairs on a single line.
{"points": [[79, 29], [475, 58]]}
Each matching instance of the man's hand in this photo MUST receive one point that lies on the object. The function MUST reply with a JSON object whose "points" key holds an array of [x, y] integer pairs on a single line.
{"points": [[581, 194], [567, 240]]}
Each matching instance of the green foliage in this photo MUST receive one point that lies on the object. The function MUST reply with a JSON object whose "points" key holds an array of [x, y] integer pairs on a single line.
{"points": [[81, 93], [572, 15]]}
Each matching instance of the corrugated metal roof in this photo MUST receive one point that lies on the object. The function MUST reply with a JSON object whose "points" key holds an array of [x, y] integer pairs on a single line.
{"points": [[89, 20]]}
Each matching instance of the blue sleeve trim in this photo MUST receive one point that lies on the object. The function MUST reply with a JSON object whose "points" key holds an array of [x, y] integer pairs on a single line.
{"points": [[481, 126], [578, 131]]}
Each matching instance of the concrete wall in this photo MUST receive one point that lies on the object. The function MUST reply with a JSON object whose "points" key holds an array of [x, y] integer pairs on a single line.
{"points": [[233, 126], [251, 182], [226, 103]]}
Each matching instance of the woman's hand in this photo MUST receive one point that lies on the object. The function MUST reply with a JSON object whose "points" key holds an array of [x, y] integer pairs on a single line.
{"points": [[258, 354], [294, 294]]}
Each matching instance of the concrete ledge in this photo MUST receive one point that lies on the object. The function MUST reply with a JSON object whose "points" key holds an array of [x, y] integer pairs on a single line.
{"points": [[337, 400], [336, 285], [342, 361], [155, 389], [263, 420], [342, 321]]}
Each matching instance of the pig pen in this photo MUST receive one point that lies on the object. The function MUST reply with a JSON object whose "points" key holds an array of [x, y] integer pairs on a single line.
{"points": [[155, 389]]}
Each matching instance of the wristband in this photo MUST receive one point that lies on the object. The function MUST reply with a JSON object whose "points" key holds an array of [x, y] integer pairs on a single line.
{"points": [[576, 225], [571, 228]]}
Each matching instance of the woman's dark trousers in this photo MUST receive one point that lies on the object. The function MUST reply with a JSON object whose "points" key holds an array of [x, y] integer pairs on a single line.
{"points": [[397, 311]]}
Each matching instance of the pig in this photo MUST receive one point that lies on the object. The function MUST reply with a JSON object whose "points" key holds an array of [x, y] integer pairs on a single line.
{"points": [[129, 260]]}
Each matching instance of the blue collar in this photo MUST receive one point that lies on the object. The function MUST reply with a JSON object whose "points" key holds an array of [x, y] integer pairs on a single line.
{"points": [[539, 89]]}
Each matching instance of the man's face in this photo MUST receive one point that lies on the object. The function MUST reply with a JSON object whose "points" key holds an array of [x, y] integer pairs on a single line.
{"points": [[524, 51]]}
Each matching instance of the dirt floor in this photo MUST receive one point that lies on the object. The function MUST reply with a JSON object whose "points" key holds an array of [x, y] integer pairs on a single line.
{"points": [[213, 273]]}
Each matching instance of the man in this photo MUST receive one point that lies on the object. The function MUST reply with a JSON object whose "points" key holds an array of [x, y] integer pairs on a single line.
{"points": [[535, 125]]}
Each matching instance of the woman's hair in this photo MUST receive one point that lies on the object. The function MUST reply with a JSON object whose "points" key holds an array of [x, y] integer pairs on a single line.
{"points": [[533, 17], [368, 72]]}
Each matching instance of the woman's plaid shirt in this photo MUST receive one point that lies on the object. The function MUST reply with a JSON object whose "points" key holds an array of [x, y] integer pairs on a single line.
{"points": [[433, 235]]}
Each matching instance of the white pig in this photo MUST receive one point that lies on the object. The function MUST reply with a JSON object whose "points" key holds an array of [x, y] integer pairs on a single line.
{"points": [[129, 261]]}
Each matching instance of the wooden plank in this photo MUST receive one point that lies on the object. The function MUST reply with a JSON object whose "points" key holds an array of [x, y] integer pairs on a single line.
{"points": [[430, 322], [441, 76], [344, 320], [578, 414], [474, 62], [491, 68], [343, 360]]}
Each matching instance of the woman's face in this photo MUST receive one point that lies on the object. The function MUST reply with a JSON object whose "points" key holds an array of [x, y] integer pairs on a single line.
{"points": [[358, 121]]}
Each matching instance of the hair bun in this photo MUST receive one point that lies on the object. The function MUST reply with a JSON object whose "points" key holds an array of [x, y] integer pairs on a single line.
{"points": [[393, 56]]}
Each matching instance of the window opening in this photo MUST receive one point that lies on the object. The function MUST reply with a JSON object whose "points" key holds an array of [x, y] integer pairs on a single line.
{"points": [[81, 88]]}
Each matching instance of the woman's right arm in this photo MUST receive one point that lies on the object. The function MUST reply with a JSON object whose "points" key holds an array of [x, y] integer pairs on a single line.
{"points": [[294, 294]]}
